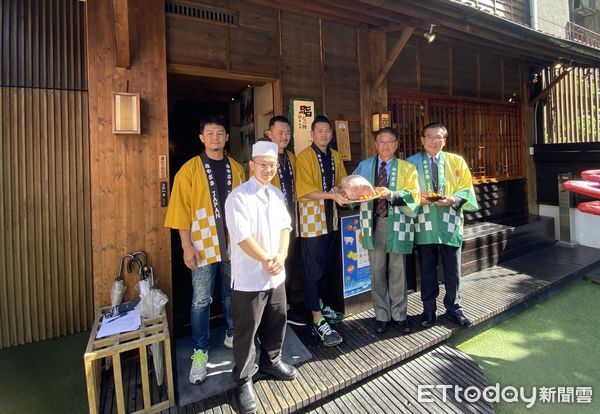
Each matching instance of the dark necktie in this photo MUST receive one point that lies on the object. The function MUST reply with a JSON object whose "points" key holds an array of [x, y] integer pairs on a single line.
{"points": [[434, 174], [382, 208]]}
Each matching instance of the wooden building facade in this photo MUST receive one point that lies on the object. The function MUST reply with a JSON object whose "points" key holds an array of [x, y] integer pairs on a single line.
{"points": [[353, 60]]}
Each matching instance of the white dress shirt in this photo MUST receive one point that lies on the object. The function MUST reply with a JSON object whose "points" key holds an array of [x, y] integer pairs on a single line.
{"points": [[255, 210]]}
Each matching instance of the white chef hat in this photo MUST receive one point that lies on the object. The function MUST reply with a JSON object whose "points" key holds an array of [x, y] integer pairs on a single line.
{"points": [[264, 148]]}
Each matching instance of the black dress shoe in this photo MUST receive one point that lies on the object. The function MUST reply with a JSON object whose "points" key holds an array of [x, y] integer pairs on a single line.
{"points": [[460, 319], [281, 370], [428, 320], [245, 399], [403, 326], [381, 326]]}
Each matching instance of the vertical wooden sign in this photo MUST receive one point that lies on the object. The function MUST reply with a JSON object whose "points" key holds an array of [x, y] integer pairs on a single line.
{"points": [[342, 135]]}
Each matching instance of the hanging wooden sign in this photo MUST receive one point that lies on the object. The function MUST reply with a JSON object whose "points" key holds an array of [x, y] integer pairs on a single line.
{"points": [[302, 114], [342, 135]]}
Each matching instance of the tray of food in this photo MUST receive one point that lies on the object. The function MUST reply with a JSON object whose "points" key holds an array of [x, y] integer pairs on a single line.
{"points": [[358, 189], [433, 197]]}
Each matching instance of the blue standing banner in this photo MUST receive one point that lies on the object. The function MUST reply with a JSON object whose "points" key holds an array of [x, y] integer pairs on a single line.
{"points": [[356, 270]]}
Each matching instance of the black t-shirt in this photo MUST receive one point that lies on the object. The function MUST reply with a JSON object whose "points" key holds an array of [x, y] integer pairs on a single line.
{"points": [[326, 157], [220, 175], [288, 181]]}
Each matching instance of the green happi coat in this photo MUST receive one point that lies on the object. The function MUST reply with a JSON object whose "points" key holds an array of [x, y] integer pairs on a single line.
{"points": [[437, 224], [403, 183]]}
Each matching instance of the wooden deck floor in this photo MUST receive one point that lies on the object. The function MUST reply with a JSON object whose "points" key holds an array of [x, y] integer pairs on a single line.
{"points": [[364, 354], [396, 390]]}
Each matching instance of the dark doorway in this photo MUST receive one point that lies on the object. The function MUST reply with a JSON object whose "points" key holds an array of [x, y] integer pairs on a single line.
{"points": [[192, 98], [184, 144]]}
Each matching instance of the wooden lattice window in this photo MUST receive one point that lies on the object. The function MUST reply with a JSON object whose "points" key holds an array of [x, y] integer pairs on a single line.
{"points": [[486, 134], [571, 111]]}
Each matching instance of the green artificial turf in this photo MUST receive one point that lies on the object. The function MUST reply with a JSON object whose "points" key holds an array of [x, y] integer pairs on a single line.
{"points": [[45, 377], [554, 344]]}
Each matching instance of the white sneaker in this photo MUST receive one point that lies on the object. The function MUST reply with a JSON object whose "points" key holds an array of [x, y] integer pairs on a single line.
{"points": [[198, 370], [228, 343]]}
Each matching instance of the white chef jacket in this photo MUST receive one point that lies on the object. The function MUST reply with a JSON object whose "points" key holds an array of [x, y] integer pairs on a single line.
{"points": [[257, 210]]}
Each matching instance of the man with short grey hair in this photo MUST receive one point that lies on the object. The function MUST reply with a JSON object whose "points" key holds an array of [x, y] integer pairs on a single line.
{"points": [[388, 229]]}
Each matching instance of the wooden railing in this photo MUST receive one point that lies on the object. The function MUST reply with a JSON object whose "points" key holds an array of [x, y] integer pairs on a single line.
{"points": [[486, 134], [580, 34]]}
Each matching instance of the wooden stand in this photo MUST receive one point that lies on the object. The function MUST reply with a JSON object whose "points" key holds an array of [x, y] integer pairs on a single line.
{"points": [[152, 331]]}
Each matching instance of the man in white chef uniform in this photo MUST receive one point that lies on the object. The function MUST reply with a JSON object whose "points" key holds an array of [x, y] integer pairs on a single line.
{"points": [[259, 228]]}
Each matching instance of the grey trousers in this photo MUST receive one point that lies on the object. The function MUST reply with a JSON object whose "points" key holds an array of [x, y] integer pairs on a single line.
{"points": [[388, 278], [257, 314]]}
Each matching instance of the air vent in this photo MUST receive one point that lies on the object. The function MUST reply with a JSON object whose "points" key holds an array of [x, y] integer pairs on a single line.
{"points": [[202, 12]]}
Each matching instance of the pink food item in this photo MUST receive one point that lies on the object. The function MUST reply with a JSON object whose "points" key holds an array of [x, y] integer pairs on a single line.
{"points": [[356, 186]]}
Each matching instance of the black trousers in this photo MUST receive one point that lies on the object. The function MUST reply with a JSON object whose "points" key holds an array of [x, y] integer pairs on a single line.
{"points": [[294, 286], [428, 262], [317, 258], [257, 314]]}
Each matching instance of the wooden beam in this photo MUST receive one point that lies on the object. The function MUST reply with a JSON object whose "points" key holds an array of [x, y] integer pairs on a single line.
{"points": [[544, 92], [192, 70], [400, 43], [393, 27], [121, 17]]}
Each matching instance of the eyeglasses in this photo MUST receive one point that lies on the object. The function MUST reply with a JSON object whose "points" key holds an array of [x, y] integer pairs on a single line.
{"points": [[392, 142], [218, 134], [437, 139], [267, 165]]}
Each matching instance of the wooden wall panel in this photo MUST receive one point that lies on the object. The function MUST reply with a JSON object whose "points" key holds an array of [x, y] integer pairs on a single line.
{"points": [[196, 43], [126, 211], [512, 79], [252, 47], [301, 73], [490, 76], [403, 74], [45, 246], [43, 44], [342, 89], [255, 44], [474, 73], [435, 67], [464, 72]]}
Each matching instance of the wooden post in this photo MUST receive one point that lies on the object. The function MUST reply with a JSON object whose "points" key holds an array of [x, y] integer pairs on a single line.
{"points": [[528, 128], [125, 177], [122, 18]]}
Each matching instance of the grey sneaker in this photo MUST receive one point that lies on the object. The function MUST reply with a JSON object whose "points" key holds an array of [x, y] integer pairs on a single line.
{"points": [[328, 336], [198, 370], [332, 316], [228, 342]]}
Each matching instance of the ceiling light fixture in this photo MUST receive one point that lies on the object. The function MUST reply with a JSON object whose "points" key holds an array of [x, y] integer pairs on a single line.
{"points": [[429, 36]]}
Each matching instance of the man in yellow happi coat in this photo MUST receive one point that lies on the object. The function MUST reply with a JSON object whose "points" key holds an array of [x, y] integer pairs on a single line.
{"points": [[320, 170], [279, 132], [446, 190], [196, 209]]}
